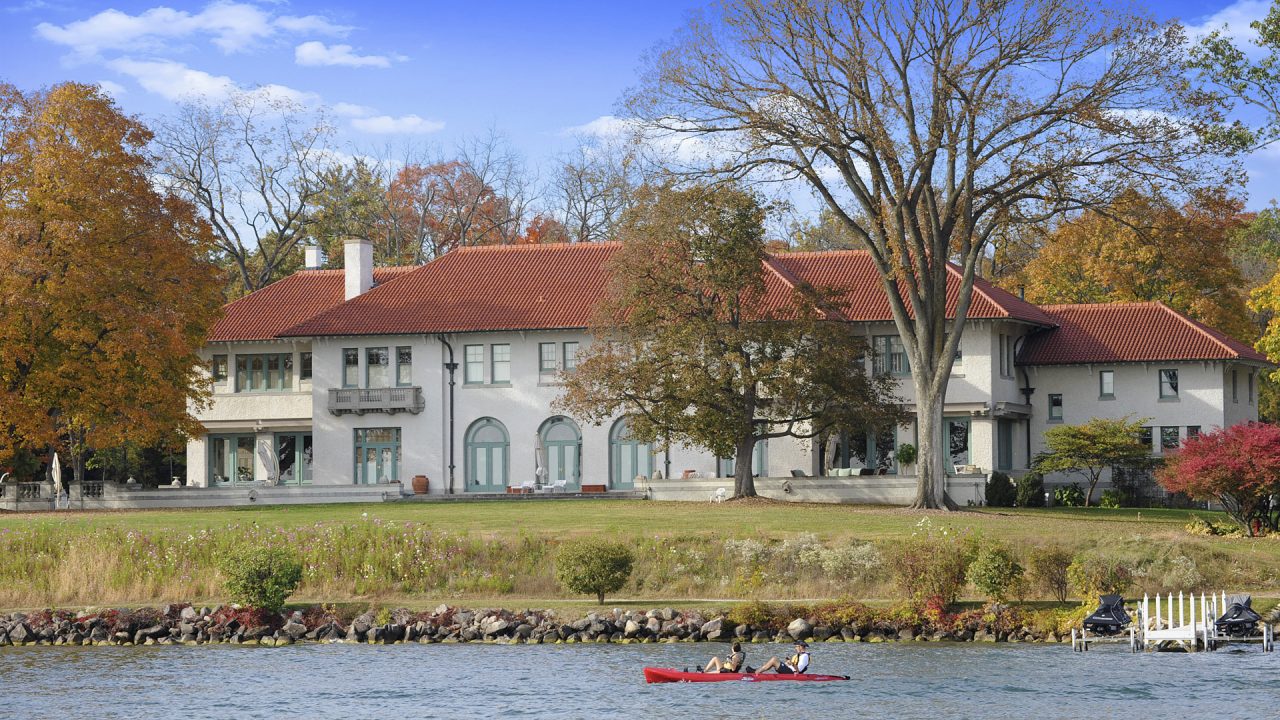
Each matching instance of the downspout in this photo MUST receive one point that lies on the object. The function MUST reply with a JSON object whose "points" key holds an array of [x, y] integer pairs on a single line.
{"points": [[1027, 391], [452, 367]]}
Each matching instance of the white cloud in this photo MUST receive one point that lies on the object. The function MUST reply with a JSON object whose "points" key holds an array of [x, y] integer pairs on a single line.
{"points": [[176, 82], [114, 89], [311, 24], [315, 53], [231, 26], [405, 124], [344, 109], [1235, 17]]}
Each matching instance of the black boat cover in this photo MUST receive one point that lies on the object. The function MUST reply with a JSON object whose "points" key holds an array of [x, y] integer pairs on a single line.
{"points": [[1110, 617], [1239, 620]]}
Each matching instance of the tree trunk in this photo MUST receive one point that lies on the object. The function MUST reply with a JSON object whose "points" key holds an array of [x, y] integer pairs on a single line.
{"points": [[744, 484], [931, 468]]}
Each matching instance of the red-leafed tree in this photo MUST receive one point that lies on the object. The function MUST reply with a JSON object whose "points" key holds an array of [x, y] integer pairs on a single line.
{"points": [[1238, 466]]}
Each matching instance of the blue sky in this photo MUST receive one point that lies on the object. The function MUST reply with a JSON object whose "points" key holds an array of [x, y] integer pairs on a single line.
{"points": [[395, 73]]}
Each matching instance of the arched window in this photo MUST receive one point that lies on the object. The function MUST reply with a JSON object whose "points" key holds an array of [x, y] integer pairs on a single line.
{"points": [[488, 448], [561, 454], [628, 458]]}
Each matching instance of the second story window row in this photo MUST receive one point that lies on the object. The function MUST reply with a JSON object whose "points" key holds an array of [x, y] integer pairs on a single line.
{"points": [[264, 372]]}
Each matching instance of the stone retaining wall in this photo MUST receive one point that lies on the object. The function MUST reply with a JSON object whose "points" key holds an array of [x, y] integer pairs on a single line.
{"points": [[182, 624], [856, 490]]}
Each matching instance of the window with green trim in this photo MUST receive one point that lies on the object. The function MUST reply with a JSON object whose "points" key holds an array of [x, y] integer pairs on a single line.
{"points": [[304, 366], [264, 372], [570, 356], [500, 363], [473, 364], [546, 358], [218, 368], [350, 367], [404, 365], [889, 356]]}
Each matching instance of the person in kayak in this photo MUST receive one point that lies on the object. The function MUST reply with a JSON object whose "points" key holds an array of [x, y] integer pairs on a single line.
{"points": [[797, 664], [735, 661]]}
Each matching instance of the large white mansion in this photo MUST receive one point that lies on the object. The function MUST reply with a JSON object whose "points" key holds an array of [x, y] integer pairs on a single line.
{"points": [[373, 375]]}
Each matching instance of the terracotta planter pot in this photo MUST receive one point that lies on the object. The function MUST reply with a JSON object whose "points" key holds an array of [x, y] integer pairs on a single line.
{"points": [[420, 484]]}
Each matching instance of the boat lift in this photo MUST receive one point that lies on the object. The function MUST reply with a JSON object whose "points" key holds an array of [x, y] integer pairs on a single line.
{"points": [[1185, 622]]}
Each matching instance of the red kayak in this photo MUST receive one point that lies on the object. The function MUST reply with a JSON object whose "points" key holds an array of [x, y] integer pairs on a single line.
{"points": [[668, 675]]}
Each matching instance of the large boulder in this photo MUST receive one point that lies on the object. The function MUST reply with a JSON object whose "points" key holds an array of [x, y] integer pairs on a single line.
{"points": [[295, 630], [631, 629], [800, 629], [713, 630], [21, 633]]}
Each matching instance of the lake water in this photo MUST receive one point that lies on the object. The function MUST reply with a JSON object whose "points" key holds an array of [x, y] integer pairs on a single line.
{"points": [[604, 681]]}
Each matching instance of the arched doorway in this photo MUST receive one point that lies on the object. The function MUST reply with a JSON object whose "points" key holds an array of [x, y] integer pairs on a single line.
{"points": [[488, 448], [561, 452], [628, 457]]}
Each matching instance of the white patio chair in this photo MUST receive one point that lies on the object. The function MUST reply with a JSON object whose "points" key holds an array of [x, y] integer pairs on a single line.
{"points": [[559, 485]]}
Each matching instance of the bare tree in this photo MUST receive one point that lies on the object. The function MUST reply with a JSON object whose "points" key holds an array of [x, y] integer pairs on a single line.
{"points": [[594, 186], [252, 165], [926, 126]]}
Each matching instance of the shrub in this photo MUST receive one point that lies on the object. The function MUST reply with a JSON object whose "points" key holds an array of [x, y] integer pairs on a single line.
{"points": [[1000, 491], [932, 563], [593, 567], [754, 613], [1030, 491], [1069, 496], [994, 571], [906, 454], [1049, 570], [1111, 499], [262, 577], [1092, 577], [1238, 466]]}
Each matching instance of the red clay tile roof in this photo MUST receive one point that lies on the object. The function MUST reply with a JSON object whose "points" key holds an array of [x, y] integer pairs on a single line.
{"points": [[1128, 332], [483, 288], [854, 272], [543, 287], [264, 314]]}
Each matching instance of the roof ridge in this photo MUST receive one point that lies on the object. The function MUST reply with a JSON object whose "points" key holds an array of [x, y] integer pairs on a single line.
{"points": [[529, 247], [951, 267], [1126, 303], [1199, 327], [832, 252]]}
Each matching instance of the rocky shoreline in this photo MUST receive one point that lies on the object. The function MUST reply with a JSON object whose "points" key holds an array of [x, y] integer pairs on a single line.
{"points": [[187, 625]]}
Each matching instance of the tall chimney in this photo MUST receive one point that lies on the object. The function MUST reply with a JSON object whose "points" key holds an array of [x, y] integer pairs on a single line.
{"points": [[312, 257], [357, 261]]}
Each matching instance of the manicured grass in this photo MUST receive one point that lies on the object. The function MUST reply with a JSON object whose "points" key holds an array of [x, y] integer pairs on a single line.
{"points": [[501, 552]]}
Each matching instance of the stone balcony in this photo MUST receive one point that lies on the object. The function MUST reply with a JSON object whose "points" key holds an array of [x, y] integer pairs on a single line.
{"points": [[358, 401]]}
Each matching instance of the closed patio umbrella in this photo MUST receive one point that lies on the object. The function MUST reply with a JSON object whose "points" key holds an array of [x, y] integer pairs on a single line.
{"points": [[56, 473], [539, 460], [270, 462]]}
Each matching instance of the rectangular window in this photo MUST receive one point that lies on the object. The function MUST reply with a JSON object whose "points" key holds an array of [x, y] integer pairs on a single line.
{"points": [[1168, 384], [304, 366], [350, 367], [876, 452], [232, 458], [218, 368], [1106, 384], [1004, 428], [1250, 388], [404, 366], [1193, 431], [957, 362], [1235, 386], [500, 363], [1144, 437], [890, 357], [546, 357], [1004, 359], [958, 442], [473, 367], [1169, 438], [570, 356], [264, 372], [1055, 408], [377, 455], [377, 367]]}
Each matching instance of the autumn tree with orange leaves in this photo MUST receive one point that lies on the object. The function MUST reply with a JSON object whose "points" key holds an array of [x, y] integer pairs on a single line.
{"points": [[1140, 248], [107, 289]]}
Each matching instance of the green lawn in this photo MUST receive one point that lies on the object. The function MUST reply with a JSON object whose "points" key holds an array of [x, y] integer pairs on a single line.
{"points": [[570, 517]]}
